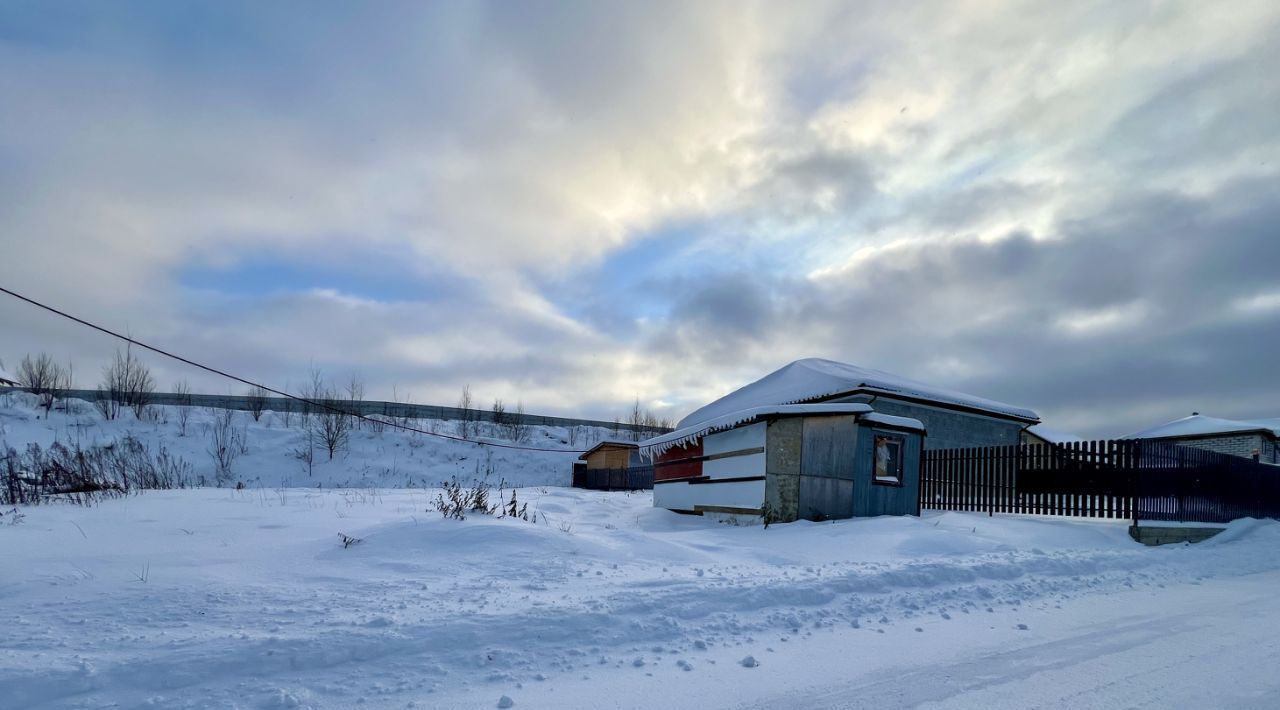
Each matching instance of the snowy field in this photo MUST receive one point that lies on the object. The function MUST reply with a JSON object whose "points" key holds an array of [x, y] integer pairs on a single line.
{"points": [[224, 598], [278, 451]]}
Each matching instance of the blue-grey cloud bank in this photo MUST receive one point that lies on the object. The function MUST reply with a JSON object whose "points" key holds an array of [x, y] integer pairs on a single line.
{"points": [[1070, 207]]}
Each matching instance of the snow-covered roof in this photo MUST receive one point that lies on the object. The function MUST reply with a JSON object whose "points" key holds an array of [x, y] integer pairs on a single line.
{"points": [[658, 444], [6, 377], [1200, 425], [1053, 436], [815, 378], [608, 442], [1272, 424], [892, 421], [615, 442]]}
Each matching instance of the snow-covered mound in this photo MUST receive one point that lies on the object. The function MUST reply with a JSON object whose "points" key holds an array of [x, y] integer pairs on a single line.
{"points": [[814, 378]]}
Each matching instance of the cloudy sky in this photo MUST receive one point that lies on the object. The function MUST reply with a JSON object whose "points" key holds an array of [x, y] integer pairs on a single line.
{"points": [[1073, 207]]}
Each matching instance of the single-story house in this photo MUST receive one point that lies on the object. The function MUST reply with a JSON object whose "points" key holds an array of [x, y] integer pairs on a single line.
{"points": [[7, 380], [612, 464], [1257, 439], [953, 419], [786, 462], [612, 453]]}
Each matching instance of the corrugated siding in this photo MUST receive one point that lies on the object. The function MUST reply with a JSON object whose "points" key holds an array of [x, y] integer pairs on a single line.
{"points": [[872, 499], [741, 439], [827, 467], [609, 458], [665, 469], [689, 496]]}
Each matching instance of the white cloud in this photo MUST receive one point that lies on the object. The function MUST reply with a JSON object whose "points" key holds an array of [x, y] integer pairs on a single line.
{"points": [[835, 151]]}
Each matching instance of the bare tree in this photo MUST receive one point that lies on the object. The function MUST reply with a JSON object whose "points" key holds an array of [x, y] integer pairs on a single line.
{"points": [[401, 406], [45, 378], [466, 425], [635, 420], [517, 429], [226, 442], [287, 404], [329, 422], [499, 418], [126, 382], [256, 400], [355, 396], [129, 381], [183, 400]]}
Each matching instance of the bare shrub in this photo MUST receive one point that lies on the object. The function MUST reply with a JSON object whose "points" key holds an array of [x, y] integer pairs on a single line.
{"points": [[515, 509], [44, 377], [256, 401], [456, 501], [286, 413], [500, 417], [85, 476], [517, 429], [355, 396], [126, 382], [402, 406], [328, 422], [466, 422], [226, 443], [183, 402]]}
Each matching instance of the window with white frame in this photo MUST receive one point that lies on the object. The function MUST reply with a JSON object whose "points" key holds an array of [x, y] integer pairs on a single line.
{"points": [[887, 458]]}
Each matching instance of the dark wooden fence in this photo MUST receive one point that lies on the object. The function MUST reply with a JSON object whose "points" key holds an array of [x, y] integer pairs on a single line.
{"points": [[1119, 479], [635, 478]]}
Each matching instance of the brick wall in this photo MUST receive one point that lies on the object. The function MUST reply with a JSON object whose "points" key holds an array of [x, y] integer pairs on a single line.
{"points": [[1242, 445]]}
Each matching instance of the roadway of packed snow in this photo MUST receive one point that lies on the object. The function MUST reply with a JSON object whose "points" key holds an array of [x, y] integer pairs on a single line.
{"points": [[250, 599]]}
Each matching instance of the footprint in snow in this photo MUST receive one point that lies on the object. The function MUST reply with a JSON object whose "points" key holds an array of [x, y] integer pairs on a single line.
{"points": [[506, 702], [749, 662]]}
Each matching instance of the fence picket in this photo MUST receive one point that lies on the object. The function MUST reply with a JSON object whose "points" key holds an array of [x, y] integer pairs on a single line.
{"points": [[1109, 479]]}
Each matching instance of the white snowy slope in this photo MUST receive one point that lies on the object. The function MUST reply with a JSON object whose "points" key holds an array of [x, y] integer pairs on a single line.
{"points": [[277, 454], [814, 378]]}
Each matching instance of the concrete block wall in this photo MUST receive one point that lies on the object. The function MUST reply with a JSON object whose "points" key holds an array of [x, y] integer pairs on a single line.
{"points": [[365, 408], [947, 428]]}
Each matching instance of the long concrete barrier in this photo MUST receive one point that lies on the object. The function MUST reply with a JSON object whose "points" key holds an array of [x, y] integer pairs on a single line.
{"points": [[361, 407]]}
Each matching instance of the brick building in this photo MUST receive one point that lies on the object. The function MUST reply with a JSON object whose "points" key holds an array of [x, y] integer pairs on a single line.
{"points": [[1257, 439]]}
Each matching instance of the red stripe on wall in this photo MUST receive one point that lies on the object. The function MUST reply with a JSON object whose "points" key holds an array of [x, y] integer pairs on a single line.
{"points": [[668, 464]]}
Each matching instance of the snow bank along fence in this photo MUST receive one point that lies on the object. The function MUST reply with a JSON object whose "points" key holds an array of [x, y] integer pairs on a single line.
{"points": [[634, 478], [1121, 479], [364, 408]]}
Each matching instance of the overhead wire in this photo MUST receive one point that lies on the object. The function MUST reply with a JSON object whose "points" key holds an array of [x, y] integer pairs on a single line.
{"points": [[320, 404]]}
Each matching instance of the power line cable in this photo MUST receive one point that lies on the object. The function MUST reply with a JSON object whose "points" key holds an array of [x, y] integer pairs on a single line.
{"points": [[304, 400]]}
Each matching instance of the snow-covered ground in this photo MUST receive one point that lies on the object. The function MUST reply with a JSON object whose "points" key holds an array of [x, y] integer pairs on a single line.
{"points": [[276, 454], [248, 598]]}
